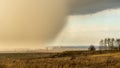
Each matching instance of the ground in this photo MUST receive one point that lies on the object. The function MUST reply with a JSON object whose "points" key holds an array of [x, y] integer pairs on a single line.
{"points": [[61, 60]]}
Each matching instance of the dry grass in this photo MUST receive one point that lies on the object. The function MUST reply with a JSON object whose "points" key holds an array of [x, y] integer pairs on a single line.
{"points": [[110, 60]]}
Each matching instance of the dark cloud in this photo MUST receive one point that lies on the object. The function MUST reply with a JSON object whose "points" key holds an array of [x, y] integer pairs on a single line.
{"points": [[92, 6]]}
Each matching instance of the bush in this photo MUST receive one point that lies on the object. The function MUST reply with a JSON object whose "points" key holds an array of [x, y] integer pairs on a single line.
{"points": [[91, 48]]}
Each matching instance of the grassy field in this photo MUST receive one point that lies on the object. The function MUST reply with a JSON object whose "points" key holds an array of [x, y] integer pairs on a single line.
{"points": [[69, 59]]}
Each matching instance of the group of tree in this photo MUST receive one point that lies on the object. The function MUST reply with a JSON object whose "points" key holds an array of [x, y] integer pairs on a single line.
{"points": [[109, 44]]}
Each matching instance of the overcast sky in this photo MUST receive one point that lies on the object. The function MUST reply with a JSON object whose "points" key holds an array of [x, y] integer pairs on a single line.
{"points": [[28, 23], [89, 29], [89, 21]]}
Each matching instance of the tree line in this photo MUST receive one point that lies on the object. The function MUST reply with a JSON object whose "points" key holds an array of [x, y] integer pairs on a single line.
{"points": [[109, 44]]}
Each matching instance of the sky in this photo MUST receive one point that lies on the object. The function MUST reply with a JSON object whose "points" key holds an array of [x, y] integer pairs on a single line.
{"points": [[39, 23], [90, 29]]}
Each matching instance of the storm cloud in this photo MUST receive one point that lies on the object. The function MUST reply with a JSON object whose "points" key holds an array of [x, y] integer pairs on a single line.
{"points": [[31, 20], [81, 7], [42, 20]]}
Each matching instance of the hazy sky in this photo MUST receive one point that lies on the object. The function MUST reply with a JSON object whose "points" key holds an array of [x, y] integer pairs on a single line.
{"points": [[29, 23], [89, 21], [89, 29]]}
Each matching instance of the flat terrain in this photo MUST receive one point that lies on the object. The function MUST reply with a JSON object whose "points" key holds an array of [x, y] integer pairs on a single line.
{"points": [[70, 59]]}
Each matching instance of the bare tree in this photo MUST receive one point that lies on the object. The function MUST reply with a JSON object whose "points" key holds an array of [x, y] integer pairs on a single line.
{"points": [[112, 43], [106, 43], [118, 42], [101, 43]]}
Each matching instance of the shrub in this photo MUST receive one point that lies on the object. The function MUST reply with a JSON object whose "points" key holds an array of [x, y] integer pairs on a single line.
{"points": [[91, 48]]}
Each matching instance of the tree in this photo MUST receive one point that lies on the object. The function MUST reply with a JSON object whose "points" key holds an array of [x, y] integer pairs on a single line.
{"points": [[112, 43], [118, 42], [109, 41], [106, 43], [91, 48], [101, 47]]}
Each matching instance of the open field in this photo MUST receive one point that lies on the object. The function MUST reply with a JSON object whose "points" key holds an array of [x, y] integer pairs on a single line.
{"points": [[69, 59]]}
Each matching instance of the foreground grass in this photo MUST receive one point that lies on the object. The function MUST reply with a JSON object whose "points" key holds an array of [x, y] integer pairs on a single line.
{"points": [[73, 60]]}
